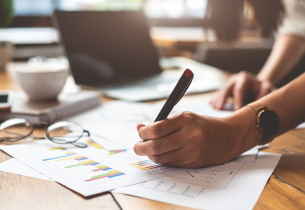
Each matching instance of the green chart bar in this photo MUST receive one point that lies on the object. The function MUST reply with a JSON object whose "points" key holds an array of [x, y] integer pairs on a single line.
{"points": [[84, 163]]}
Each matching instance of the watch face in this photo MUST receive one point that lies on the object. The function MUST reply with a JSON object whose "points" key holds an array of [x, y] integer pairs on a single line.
{"points": [[268, 121]]}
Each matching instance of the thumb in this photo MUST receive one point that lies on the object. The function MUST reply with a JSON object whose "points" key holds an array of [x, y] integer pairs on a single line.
{"points": [[139, 126]]}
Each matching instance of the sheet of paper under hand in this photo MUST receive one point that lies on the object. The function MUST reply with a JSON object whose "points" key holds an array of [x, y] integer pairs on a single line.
{"points": [[114, 123], [301, 126], [16, 167], [226, 186], [88, 171], [250, 155]]}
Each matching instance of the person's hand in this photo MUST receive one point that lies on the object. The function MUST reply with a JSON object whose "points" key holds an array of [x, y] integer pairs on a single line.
{"points": [[243, 87], [189, 140]]}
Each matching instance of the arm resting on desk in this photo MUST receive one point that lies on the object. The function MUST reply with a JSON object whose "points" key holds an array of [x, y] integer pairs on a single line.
{"points": [[190, 140], [286, 53]]}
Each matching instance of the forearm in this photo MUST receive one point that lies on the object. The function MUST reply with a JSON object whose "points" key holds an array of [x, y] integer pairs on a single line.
{"points": [[286, 53], [288, 103]]}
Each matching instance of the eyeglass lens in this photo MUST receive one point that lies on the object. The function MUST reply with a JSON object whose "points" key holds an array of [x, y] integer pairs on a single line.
{"points": [[15, 129], [64, 132]]}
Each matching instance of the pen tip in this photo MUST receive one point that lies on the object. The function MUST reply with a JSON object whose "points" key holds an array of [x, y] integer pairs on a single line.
{"points": [[188, 73]]}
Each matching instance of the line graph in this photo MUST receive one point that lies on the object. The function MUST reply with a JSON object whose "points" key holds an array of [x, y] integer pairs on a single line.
{"points": [[214, 176], [190, 174]]}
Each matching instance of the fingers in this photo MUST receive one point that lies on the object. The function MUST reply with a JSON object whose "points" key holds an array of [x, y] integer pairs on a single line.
{"points": [[161, 128], [239, 92], [265, 89], [160, 146], [180, 164], [173, 156], [139, 126], [223, 94], [238, 86], [242, 85]]}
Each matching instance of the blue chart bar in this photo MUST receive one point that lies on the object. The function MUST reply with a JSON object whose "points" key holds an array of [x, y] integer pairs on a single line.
{"points": [[68, 155]]}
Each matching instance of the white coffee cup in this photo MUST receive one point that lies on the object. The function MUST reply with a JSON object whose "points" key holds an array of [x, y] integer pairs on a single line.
{"points": [[42, 81]]}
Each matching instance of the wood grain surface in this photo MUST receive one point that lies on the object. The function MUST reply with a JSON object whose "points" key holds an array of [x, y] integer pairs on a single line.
{"points": [[284, 190]]}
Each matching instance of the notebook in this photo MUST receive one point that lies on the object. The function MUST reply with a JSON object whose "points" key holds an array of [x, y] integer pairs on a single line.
{"points": [[67, 105]]}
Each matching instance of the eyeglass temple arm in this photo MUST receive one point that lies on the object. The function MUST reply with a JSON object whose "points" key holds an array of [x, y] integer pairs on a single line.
{"points": [[88, 133]]}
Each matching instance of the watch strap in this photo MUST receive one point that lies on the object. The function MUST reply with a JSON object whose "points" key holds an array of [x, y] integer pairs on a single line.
{"points": [[257, 107]]}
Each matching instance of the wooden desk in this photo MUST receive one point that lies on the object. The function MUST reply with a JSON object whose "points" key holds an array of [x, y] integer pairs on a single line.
{"points": [[284, 190]]}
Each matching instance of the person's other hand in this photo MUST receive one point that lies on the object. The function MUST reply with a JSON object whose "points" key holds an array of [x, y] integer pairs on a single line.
{"points": [[241, 86], [189, 140]]}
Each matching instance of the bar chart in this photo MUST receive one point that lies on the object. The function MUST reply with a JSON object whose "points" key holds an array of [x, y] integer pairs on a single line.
{"points": [[146, 165], [116, 152], [98, 146], [68, 154], [86, 170], [93, 143], [110, 174]]}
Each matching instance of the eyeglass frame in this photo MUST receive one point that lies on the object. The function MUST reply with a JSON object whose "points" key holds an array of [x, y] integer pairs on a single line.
{"points": [[34, 126]]}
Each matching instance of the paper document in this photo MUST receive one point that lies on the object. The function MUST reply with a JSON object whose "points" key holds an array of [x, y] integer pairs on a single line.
{"points": [[248, 156], [114, 124], [301, 126], [16, 167], [231, 185], [87, 171]]}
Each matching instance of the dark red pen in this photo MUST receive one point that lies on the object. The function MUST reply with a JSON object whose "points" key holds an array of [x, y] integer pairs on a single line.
{"points": [[178, 92]]}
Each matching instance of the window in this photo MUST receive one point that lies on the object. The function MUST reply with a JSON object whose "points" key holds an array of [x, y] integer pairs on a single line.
{"points": [[34, 7], [175, 8], [153, 8]]}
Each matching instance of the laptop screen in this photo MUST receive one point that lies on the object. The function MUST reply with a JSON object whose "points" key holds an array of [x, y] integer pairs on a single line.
{"points": [[106, 47]]}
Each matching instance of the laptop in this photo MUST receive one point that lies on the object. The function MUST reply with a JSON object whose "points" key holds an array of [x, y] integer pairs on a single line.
{"points": [[112, 51]]}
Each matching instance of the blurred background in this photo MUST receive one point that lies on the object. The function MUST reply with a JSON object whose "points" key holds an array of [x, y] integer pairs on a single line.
{"points": [[176, 27]]}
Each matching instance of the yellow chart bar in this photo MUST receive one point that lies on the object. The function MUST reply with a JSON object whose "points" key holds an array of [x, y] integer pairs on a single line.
{"points": [[93, 143], [68, 158]]}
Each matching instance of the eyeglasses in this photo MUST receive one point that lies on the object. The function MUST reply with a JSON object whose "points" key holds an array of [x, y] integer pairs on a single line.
{"points": [[61, 132]]}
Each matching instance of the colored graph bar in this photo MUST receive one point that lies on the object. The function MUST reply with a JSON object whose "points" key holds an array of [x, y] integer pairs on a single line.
{"points": [[68, 154], [84, 163], [145, 165], [110, 174], [116, 152], [57, 148], [93, 143], [79, 157], [102, 168]]}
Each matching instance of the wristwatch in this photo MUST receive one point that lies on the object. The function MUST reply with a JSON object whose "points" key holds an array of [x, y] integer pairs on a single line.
{"points": [[267, 122]]}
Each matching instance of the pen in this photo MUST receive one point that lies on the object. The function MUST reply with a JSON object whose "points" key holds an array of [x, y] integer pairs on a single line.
{"points": [[178, 92]]}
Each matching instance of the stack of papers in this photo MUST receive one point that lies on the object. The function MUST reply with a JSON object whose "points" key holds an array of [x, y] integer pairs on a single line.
{"points": [[233, 185], [16, 167], [109, 163]]}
